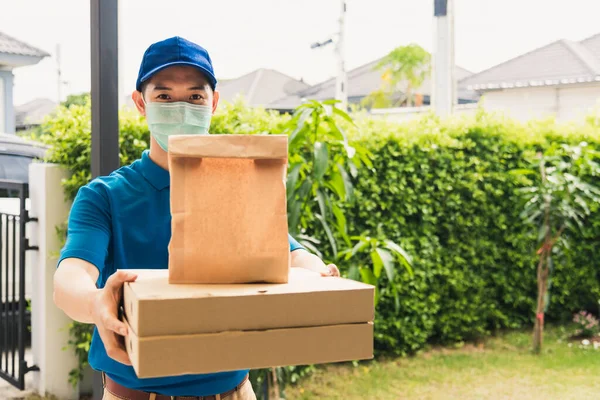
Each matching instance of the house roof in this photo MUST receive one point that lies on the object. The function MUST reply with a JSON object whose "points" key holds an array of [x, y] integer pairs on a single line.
{"points": [[10, 45], [361, 82], [260, 87], [33, 112], [560, 62]]}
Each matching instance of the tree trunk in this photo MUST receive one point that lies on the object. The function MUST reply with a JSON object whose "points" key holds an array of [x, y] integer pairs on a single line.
{"points": [[409, 102], [538, 328], [542, 272], [274, 387]]}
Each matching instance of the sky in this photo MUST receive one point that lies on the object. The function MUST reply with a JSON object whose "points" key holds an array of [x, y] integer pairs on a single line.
{"points": [[243, 35]]}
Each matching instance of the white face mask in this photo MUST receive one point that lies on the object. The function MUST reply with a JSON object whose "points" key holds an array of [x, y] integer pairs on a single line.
{"points": [[178, 118]]}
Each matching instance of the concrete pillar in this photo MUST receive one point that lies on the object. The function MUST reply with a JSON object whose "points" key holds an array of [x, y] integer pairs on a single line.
{"points": [[48, 324], [444, 82], [7, 109]]}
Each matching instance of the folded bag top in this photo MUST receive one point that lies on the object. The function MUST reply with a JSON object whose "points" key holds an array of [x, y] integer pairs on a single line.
{"points": [[257, 147]]}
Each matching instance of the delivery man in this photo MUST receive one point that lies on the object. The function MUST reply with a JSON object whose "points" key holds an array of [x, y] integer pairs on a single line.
{"points": [[123, 221]]}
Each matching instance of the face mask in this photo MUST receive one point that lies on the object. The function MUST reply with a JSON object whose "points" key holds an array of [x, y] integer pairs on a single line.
{"points": [[179, 118]]}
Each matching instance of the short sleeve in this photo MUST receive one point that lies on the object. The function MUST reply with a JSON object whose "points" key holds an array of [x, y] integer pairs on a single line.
{"points": [[294, 245], [89, 227]]}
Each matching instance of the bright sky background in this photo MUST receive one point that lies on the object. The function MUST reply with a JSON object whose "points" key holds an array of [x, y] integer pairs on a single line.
{"points": [[242, 35]]}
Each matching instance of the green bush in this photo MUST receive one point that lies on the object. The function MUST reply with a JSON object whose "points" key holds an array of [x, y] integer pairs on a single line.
{"points": [[444, 192], [440, 189]]}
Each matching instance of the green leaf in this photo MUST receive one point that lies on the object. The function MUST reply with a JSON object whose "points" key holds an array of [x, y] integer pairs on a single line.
{"points": [[388, 262], [367, 276], [377, 263], [292, 179], [358, 247], [321, 160], [335, 131], [353, 273], [353, 169], [298, 123], [351, 151], [336, 184], [322, 202], [329, 234], [402, 255], [305, 189], [294, 217], [522, 172], [341, 222], [348, 186], [297, 138], [344, 115]]}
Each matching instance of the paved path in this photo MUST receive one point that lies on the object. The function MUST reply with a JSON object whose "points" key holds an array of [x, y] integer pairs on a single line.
{"points": [[9, 392]]}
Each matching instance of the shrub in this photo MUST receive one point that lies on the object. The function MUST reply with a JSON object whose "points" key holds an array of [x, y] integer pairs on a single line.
{"points": [[440, 189]]}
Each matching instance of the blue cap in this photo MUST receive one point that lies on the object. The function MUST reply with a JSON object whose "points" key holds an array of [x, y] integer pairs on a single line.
{"points": [[175, 51]]}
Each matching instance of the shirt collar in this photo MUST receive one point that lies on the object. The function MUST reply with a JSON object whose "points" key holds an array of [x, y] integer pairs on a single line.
{"points": [[156, 175]]}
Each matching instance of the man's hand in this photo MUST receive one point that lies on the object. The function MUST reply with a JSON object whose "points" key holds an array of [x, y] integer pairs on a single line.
{"points": [[332, 270], [105, 314], [304, 259]]}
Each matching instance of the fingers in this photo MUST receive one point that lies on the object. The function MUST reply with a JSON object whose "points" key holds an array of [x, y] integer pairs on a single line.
{"points": [[331, 270], [113, 324], [114, 346], [116, 280]]}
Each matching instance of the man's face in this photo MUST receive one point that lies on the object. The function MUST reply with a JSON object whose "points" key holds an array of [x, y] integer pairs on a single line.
{"points": [[177, 83]]}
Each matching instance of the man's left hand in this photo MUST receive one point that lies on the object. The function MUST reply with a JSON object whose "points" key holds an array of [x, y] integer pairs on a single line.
{"points": [[331, 270]]}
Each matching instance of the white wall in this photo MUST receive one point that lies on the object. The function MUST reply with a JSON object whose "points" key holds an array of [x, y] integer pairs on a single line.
{"points": [[565, 103], [48, 323], [576, 103], [401, 114]]}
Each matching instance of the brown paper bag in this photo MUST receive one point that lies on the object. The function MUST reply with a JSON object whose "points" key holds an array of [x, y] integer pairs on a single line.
{"points": [[228, 209]]}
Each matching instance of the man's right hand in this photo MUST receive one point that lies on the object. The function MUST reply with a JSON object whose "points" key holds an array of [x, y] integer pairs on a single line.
{"points": [[105, 315]]}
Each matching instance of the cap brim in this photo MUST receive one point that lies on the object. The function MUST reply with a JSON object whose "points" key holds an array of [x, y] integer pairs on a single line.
{"points": [[209, 76]]}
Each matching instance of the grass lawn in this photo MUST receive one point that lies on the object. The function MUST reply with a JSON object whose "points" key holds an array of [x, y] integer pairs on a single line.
{"points": [[500, 368]]}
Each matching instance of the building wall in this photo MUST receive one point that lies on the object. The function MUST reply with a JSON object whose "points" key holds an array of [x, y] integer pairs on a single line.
{"points": [[401, 114], [565, 103]]}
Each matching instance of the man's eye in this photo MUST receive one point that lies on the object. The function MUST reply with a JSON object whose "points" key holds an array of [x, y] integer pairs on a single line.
{"points": [[163, 96], [197, 97]]}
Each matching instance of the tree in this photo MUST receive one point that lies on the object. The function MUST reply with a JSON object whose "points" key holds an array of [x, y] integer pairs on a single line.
{"points": [[557, 201], [80, 99], [404, 69]]}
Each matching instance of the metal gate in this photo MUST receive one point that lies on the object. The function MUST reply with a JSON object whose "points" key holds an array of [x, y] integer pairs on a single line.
{"points": [[14, 306]]}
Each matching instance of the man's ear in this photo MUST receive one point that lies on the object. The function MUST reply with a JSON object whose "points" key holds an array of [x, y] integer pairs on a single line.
{"points": [[215, 101], [136, 96]]}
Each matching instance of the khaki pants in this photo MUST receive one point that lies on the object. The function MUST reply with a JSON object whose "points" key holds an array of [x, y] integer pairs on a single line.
{"points": [[245, 393]]}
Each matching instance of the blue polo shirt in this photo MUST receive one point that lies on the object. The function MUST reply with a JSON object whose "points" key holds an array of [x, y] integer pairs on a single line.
{"points": [[123, 221]]}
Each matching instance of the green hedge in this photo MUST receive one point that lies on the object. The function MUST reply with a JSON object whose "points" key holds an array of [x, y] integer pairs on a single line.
{"points": [[441, 189], [444, 192]]}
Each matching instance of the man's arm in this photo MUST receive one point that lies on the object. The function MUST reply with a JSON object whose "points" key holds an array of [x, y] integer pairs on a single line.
{"points": [[82, 260], [303, 259], [75, 289]]}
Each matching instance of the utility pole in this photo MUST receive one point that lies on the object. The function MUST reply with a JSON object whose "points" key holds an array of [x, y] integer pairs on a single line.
{"points": [[120, 51], [59, 82], [341, 84], [341, 79], [444, 82], [105, 86]]}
